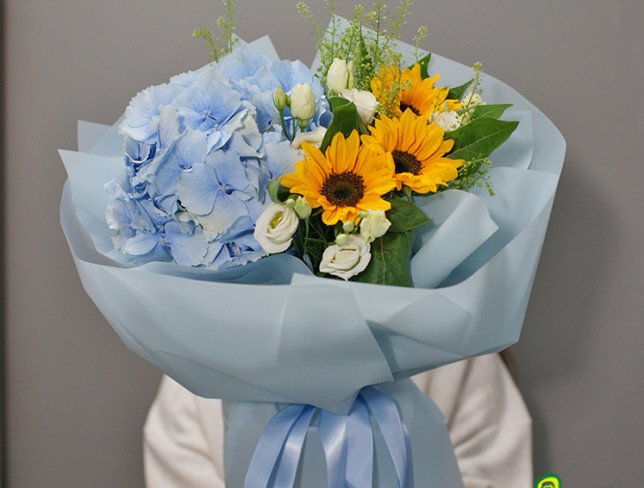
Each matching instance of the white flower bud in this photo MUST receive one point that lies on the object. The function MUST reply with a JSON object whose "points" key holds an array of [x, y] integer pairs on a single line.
{"points": [[303, 102], [337, 77], [365, 103], [347, 260], [314, 137], [274, 229], [280, 99], [374, 225], [341, 239], [302, 207], [348, 226]]}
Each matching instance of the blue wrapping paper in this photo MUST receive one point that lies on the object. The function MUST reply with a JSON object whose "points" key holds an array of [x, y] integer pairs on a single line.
{"points": [[271, 333]]}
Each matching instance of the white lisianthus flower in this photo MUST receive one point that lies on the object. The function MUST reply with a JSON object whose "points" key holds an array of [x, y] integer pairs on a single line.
{"points": [[447, 120], [374, 225], [347, 260], [303, 102], [365, 102], [337, 77], [314, 137], [274, 229]]}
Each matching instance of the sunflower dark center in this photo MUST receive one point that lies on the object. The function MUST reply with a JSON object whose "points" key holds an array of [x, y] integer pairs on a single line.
{"points": [[406, 163], [404, 106], [343, 189]]}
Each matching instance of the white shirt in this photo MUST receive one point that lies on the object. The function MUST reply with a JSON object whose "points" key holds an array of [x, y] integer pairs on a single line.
{"points": [[489, 424]]}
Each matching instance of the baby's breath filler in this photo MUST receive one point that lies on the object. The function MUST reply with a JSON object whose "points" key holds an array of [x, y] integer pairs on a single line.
{"points": [[222, 42]]}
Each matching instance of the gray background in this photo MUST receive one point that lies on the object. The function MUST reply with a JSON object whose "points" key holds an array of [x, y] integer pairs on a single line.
{"points": [[77, 398]]}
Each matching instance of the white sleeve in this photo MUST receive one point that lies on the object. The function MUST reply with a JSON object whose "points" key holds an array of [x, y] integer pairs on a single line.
{"points": [[183, 440], [489, 424]]}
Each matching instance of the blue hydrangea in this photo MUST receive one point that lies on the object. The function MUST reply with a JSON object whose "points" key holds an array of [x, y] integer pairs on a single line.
{"points": [[199, 152]]}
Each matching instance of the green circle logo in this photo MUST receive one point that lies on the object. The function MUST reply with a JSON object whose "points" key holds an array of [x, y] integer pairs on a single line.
{"points": [[549, 481]]}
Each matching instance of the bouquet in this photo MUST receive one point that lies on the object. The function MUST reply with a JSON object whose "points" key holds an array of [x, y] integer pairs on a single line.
{"points": [[298, 241]]}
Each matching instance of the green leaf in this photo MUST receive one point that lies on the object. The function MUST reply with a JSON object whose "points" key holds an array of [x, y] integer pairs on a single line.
{"points": [[478, 139], [390, 260], [493, 111], [405, 216], [336, 102], [424, 66], [457, 92], [277, 192], [345, 120]]}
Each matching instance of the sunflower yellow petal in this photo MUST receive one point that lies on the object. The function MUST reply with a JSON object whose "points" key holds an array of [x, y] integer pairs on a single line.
{"points": [[316, 155], [374, 203]]}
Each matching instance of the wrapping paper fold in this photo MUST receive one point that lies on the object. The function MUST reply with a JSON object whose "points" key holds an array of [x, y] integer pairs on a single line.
{"points": [[272, 332]]}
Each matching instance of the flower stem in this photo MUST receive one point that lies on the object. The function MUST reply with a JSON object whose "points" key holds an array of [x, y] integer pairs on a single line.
{"points": [[283, 122]]}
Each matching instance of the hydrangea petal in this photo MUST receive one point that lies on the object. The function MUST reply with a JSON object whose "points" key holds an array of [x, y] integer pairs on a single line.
{"points": [[142, 114], [187, 248], [280, 156], [242, 63], [226, 211], [197, 189], [141, 243], [229, 169]]}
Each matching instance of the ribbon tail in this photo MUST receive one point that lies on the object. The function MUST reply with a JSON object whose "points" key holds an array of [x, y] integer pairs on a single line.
{"points": [[409, 475], [385, 412], [271, 444], [333, 434], [292, 450], [359, 473]]}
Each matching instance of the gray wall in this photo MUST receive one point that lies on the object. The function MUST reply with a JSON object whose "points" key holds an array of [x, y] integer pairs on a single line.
{"points": [[77, 398]]}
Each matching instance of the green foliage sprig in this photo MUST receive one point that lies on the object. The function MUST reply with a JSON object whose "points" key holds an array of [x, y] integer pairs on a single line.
{"points": [[390, 97], [474, 174], [369, 50], [222, 42]]}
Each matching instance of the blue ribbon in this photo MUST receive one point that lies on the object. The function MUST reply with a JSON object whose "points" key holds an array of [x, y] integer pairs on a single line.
{"points": [[347, 441]]}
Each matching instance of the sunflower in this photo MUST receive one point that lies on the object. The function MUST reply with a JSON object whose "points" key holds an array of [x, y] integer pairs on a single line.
{"points": [[408, 90], [346, 180], [417, 149]]}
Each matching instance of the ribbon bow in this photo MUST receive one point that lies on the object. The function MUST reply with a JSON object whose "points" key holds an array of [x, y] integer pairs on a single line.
{"points": [[347, 441]]}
